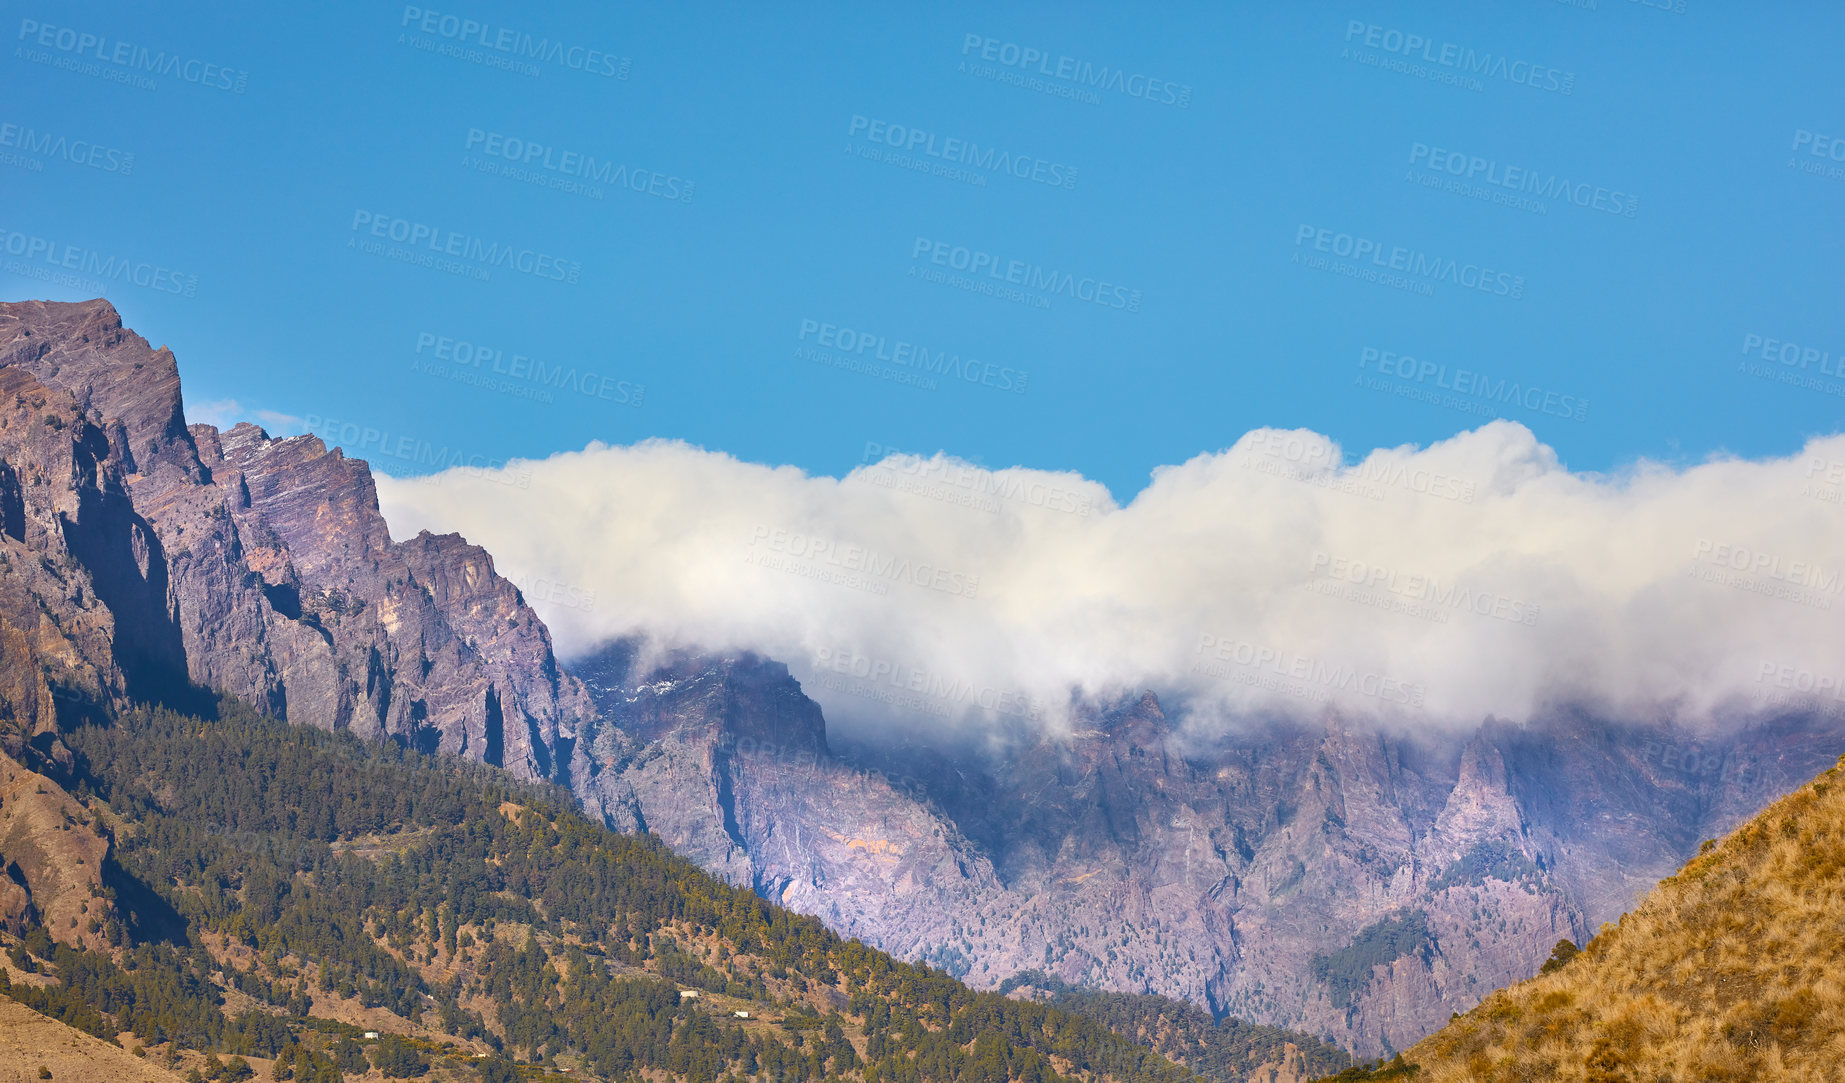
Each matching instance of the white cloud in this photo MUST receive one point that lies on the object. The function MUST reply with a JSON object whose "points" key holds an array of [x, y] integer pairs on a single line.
{"points": [[1475, 576]]}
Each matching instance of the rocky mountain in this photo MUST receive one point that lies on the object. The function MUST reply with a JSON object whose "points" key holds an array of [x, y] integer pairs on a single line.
{"points": [[143, 560], [1727, 970], [1341, 881], [729, 764], [146, 559], [1353, 883]]}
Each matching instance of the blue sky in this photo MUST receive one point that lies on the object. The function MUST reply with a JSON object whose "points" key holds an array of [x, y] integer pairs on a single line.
{"points": [[1250, 221]]}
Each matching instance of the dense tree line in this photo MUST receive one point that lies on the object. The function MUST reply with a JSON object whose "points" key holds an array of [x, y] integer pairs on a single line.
{"points": [[155, 991], [337, 866]]}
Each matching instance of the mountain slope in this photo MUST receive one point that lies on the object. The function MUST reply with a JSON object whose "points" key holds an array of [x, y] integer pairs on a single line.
{"points": [[1728, 970], [30, 1041], [312, 885]]}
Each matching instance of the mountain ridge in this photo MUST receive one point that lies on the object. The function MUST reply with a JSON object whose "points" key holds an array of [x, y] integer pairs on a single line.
{"points": [[1124, 857], [1253, 873]]}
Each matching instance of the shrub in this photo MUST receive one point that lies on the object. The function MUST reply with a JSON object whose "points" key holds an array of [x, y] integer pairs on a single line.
{"points": [[1560, 956]]}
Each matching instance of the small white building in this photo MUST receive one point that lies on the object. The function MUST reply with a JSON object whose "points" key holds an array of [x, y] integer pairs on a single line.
{"points": [[371, 1035], [741, 1014], [687, 994]]}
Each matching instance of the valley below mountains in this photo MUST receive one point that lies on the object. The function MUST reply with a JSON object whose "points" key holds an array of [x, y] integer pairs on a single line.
{"points": [[1337, 879]]}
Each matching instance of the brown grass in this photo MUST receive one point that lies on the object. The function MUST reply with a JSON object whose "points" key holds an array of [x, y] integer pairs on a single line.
{"points": [[29, 1040], [1730, 970]]}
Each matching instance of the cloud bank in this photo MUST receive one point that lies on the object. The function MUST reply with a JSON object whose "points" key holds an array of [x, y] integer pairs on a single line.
{"points": [[1424, 586]]}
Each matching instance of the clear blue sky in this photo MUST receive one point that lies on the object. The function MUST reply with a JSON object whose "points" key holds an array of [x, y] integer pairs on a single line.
{"points": [[1223, 139]]}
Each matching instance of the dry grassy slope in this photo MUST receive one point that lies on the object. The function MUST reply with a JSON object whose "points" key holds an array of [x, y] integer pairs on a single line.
{"points": [[56, 847], [1730, 970], [29, 1040]]}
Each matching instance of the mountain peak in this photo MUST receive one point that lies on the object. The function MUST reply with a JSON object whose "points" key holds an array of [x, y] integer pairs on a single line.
{"points": [[81, 347], [734, 697], [256, 567]]}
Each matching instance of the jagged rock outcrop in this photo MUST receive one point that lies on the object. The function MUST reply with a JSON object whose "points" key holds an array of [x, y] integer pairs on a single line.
{"points": [[146, 558], [726, 760]]}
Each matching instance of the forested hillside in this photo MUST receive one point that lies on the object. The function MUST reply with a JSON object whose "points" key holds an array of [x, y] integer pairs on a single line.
{"points": [[276, 893]]}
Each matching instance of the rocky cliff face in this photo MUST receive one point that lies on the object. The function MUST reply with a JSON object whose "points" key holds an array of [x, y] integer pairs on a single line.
{"points": [[727, 761], [1335, 880], [146, 559]]}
